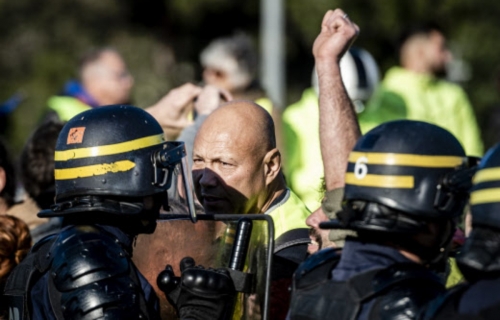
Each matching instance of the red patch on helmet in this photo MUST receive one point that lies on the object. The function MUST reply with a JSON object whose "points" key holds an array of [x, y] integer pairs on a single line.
{"points": [[75, 135]]}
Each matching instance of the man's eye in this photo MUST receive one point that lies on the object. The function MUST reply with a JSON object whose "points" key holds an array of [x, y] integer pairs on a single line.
{"points": [[226, 164]]}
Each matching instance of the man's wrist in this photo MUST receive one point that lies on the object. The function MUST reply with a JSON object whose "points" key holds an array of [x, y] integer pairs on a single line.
{"points": [[330, 63]]}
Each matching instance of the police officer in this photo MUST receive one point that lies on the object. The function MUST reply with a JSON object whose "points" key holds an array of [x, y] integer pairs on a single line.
{"points": [[479, 259], [112, 171], [406, 183]]}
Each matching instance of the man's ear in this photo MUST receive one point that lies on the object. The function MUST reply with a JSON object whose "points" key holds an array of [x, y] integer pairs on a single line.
{"points": [[3, 179], [272, 165]]}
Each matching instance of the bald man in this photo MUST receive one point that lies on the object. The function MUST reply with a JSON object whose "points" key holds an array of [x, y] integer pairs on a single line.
{"points": [[237, 167]]}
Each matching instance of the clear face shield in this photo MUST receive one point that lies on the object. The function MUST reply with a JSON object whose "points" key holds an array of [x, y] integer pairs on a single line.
{"points": [[172, 173]]}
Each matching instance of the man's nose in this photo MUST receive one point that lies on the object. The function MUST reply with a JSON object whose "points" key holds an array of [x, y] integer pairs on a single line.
{"points": [[316, 218], [207, 178]]}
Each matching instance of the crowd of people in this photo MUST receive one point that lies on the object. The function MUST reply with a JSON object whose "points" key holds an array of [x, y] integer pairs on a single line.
{"points": [[380, 205]]}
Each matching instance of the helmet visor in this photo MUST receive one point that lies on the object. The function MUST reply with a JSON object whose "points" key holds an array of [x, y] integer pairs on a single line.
{"points": [[181, 190]]}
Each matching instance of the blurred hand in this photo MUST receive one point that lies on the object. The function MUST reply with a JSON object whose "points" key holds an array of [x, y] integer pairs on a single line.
{"points": [[337, 34], [173, 109], [210, 99]]}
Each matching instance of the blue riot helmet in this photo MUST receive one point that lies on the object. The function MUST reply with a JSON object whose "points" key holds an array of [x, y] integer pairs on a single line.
{"points": [[480, 255], [108, 160]]}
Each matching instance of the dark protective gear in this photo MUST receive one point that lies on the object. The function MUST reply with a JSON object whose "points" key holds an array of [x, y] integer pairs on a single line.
{"points": [[396, 293], [361, 284], [447, 306], [24, 275], [403, 173], [480, 256], [309, 281], [199, 293], [108, 159], [87, 274], [485, 199]]}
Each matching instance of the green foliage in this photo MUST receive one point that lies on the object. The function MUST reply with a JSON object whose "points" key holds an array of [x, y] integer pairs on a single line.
{"points": [[40, 42]]}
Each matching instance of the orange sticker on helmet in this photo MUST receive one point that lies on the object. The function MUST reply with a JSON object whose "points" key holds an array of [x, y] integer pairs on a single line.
{"points": [[75, 135]]}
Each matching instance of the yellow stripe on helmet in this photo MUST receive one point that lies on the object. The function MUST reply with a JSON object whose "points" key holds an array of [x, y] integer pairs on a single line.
{"points": [[485, 175], [109, 149], [485, 196], [93, 170], [412, 160], [380, 181]]}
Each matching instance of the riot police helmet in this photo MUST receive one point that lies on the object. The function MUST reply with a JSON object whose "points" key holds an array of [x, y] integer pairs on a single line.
{"points": [[402, 174], [479, 257], [109, 159]]}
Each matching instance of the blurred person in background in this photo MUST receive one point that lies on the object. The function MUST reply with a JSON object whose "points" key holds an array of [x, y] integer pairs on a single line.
{"points": [[37, 174], [103, 79], [6, 109], [7, 180], [231, 63], [302, 155], [15, 242], [491, 122], [414, 90]]}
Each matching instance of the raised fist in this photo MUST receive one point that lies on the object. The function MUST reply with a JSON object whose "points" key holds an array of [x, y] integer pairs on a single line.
{"points": [[337, 34]]}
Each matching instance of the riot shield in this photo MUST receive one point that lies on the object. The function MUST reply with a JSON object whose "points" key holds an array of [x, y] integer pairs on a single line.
{"points": [[213, 241]]}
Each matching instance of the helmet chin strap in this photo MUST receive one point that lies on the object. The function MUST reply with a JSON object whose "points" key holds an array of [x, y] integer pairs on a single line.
{"points": [[434, 255]]}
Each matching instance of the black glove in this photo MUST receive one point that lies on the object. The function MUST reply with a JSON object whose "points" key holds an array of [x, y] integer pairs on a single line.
{"points": [[199, 293]]}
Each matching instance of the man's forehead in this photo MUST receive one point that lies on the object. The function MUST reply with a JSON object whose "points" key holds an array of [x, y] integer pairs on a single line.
{"points": [[222, 143]]}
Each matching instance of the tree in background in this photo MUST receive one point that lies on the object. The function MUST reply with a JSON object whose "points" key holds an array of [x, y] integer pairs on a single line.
{"points": [[40, 42]]}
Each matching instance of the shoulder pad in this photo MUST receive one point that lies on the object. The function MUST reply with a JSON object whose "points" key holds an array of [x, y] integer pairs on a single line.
{"points": [[404, 272], [84, 255], [403, 290], [292, 238], [292, 245], [445, 305], [114, 298], [318, 265]]}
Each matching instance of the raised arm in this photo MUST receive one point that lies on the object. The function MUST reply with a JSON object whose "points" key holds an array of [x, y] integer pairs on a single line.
{"points": [[339, 129]]}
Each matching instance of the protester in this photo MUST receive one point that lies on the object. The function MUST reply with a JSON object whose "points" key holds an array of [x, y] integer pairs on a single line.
{"points": [[393, 180], [302, 152], [103, 79], [231, 63], [237, 169], [338, 132], [415, 91]]}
